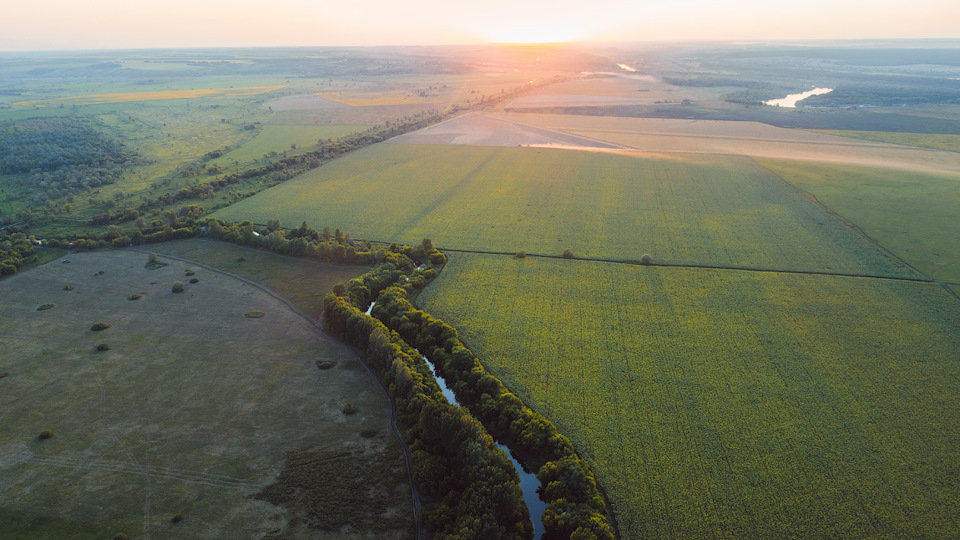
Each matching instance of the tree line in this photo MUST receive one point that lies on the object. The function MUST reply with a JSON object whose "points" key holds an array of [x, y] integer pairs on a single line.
{"points": [[576, 507]]}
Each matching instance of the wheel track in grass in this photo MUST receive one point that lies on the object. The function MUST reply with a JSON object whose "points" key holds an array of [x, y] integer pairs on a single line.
{"points": [[319, 327]]}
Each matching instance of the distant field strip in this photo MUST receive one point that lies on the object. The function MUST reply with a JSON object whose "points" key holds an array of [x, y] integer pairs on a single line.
{"points": [[915, 215], [680, 208], [741, 138], [151, 96], [730, 404]]}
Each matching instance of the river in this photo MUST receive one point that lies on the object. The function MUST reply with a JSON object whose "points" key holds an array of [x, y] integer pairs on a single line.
{"points": [[528, 480], [792, 99]]}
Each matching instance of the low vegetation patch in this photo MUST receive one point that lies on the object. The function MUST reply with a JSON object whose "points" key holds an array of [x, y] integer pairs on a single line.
{"points": [[98, 326], [325, 364], [45, 307], [135, 296], [102, 347], [178, 287], [45, 434], [254, 314]]}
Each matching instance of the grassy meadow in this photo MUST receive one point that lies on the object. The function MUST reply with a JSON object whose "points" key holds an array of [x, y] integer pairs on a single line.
{"points": [[302, 281], [936, 141], [719, 403], [914, 215], [185, 405], [681, 209]]}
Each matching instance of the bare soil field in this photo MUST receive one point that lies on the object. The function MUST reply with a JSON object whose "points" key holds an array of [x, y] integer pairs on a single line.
{"points": [[740, 138], [176, 420], [477, 129]]}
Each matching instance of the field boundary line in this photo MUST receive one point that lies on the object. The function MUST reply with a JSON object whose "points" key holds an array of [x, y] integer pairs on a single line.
{"points": [[633, 262], [813, 198]]}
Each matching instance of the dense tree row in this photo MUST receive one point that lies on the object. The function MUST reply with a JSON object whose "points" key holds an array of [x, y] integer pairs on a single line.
{"points": [[576, 507], [471, 487], [15, 249]]}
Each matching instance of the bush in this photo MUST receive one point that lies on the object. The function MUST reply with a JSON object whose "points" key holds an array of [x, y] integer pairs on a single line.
{"points": [[134, 297], [152, 259], [190, 273], [177, 518], [45, 434], [567, 254], [522, 254], [368, 433], [102, 347], [325, 364], [349, 409], [179, 287], [67, 287], [120, 536], [45, 307], [194, 280], [646, 259], [98, 326], [254, 314]]}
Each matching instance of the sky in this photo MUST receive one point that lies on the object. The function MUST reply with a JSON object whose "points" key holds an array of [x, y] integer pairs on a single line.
{"points": [[112, 24]]}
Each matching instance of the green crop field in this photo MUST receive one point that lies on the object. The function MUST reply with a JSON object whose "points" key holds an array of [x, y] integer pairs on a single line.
{"points": [[682, 209], [719, 403], [936, 141], [279, 139], [182, 406], [915, 215]]}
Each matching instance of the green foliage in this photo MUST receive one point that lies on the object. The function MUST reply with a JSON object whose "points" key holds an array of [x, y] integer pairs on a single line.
{"points": [[646, 259], [45, 307], [15, 250], [349, 409], [254, 314], [177, 518], [325, 364], [134, 296], [102, 347], [178, 287], [45, 434], [67, 287], [567, 254], [194, 280], [98, 326]]}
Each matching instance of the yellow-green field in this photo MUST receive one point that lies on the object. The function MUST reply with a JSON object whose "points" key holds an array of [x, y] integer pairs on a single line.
{"points": [[191, 408], [681, 209], [279, 139], [719, 403], [159, 95], [913, 214], [937, 141]]}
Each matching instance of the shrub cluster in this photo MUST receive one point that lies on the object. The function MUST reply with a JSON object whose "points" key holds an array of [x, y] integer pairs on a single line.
{"points": [[15, 249]]}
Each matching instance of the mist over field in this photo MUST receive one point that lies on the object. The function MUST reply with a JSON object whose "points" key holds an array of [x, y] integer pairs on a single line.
{"points": [[696, 289]]}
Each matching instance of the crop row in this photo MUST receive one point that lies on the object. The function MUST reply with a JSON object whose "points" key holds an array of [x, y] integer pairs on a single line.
{"points": [[726, 403]]}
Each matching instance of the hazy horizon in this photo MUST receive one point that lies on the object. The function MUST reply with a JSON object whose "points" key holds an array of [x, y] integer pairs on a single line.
{"points": [[110, 24]]}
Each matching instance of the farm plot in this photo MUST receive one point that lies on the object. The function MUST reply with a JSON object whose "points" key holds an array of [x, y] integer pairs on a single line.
{"points": [[719, 403], [187, 405], [281, 139], [681, 208], [124, 97], [915, 215], [741, 138]]}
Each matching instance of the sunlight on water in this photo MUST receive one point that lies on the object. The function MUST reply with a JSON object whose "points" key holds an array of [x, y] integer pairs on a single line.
{"points": [[792, 99]]}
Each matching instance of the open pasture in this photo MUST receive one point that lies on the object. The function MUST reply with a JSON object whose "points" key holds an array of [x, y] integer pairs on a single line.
{"points": [[158, 95], [741, 138], [184, 405], [915, 215], [680, 208], [280, 139], [936, 141], [719, 403], [302, 281]]}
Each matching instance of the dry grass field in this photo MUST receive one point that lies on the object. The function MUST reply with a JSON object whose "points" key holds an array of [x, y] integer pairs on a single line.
{"points": [[741, 138], [192, 408]]}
